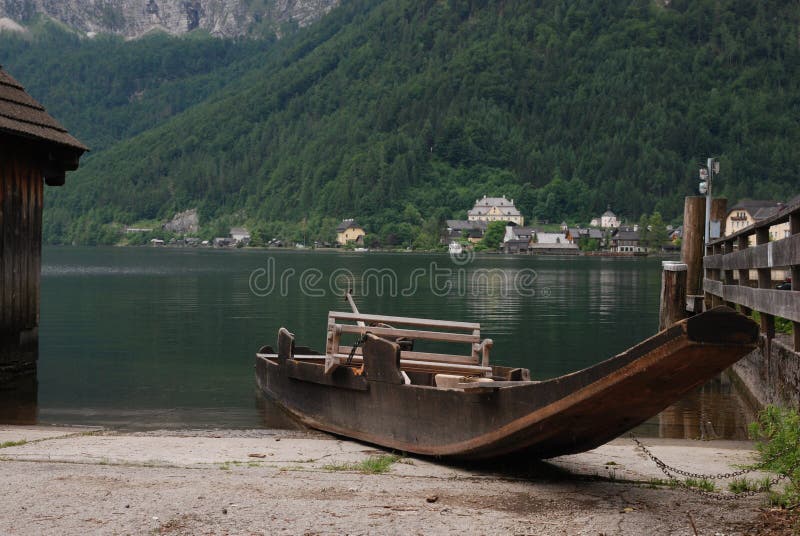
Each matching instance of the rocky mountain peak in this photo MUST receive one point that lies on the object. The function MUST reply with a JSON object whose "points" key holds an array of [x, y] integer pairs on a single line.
{"points": [[134, 18]]}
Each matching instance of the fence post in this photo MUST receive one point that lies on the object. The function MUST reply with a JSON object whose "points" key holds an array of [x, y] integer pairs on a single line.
{"points": [[715, 274], [765, 281], [743, 243], [673, 293], [727, 275]]}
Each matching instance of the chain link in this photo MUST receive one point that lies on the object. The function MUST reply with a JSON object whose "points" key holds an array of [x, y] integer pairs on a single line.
{"points": [[361, 340], [670, 473]]}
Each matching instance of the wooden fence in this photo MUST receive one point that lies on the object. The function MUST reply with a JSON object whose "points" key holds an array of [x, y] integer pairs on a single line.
{"points": [[729, 261]]}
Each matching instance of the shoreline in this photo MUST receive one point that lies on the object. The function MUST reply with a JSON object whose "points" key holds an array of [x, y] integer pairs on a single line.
{"points": [[442, 251], [74, 480]]}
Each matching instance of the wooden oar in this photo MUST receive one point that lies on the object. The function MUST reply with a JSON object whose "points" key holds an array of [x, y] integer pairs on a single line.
{"points": [[349, 297], [333, 361]]}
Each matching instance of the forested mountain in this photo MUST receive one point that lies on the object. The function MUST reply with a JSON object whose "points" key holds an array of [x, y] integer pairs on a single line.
{"points": [[403, 112], [107, 89]]}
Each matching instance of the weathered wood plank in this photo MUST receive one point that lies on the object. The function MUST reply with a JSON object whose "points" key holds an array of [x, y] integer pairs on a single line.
{"points": [[712, 262], [21, 192], [408, 321], [38, 236], [783, 303], [3, 254], [408, 364], [24, 246], [410, 333], [712, 287], [778, 254], [765, 283], [423, 356], [744, 274], [15, 247]]}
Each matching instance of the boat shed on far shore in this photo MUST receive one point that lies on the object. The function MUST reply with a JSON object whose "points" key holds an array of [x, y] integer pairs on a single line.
{"points": [[34, 150]]}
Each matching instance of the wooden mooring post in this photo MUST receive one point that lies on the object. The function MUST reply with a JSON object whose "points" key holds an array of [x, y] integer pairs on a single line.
{"points": [[673, 293], [692, 249]]}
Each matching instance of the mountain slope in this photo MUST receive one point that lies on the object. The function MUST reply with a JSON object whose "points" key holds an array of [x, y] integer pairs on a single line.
{"points": [[402, 112], [107, 89]]}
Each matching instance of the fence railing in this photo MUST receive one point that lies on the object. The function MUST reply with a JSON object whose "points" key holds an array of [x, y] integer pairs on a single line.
{"points": [[728, 263]]}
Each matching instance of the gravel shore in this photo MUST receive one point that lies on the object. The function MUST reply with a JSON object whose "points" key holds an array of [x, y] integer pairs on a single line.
{"points": [[57, 480]]}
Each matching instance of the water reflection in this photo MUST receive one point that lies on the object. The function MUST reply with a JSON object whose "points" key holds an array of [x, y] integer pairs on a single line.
{"points": [[713, 411], [19, 399], [274, 417]]}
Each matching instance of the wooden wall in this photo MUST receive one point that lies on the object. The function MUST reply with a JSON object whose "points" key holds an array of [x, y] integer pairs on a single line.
{"points": [[21, 192]]}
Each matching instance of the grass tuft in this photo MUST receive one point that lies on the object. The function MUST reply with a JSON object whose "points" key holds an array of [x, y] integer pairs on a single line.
{"points": [[372, 466]]}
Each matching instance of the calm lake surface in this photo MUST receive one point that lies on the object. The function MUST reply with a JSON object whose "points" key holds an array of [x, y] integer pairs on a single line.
{"points": [[161, 337]]}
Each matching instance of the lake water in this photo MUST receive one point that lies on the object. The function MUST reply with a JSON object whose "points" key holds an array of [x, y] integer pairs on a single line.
{"points": [[161, 337]]}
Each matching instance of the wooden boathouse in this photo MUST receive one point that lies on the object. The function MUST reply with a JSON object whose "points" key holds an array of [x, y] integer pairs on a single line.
{"points": [[34, 150]]}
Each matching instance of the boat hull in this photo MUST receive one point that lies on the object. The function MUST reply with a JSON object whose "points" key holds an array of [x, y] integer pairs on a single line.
{"points": [[569, 414]]}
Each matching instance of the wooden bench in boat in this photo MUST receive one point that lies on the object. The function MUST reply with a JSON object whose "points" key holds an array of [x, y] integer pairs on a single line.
{"points": [[397, 328]]}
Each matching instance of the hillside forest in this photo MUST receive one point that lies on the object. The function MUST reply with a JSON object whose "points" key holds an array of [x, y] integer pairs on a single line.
{"points": [[401, 113]]}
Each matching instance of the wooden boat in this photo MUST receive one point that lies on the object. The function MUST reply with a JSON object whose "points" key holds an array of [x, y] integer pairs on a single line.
{"points": [[458, 406]]}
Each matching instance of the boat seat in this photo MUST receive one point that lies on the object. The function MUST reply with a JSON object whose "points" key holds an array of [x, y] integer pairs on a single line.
{"points": [[407, 329]]}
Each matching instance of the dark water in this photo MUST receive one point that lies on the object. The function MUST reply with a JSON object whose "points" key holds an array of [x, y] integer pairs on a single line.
{"points": [[156, 337]]}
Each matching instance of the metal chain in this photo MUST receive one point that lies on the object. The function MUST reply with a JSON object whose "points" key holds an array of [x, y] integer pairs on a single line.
{"points": [[720, 476], [669, 470], [718, 495], [361, 340]]}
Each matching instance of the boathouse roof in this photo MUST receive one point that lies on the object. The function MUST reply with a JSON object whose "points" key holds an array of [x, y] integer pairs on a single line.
{"points": [[21, 115]]}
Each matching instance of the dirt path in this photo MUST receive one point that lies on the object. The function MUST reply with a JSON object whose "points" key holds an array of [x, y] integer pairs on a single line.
{"points": [[74, 481]]}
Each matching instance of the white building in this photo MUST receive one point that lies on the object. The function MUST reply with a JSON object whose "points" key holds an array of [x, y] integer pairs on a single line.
{"points": [[240, 235], [608, 220], [495, 209]]}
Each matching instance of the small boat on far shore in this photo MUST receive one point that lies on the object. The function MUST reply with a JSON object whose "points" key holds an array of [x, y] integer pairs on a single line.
{"points": [[382, 390]]}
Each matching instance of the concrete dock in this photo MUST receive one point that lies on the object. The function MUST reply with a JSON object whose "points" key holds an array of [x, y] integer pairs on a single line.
{"points": [[59, 480]]}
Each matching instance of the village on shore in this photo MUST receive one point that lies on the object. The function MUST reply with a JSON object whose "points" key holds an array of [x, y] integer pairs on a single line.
{"points": [[493, 225]]}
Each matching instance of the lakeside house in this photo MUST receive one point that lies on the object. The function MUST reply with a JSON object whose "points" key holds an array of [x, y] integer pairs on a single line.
{"points": [[518, 239], [517, 232], [495, 209], [548, 243], [575, 234], [350, 232], [240, 235], [749, 211], [457, 230], [627, 241]]}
